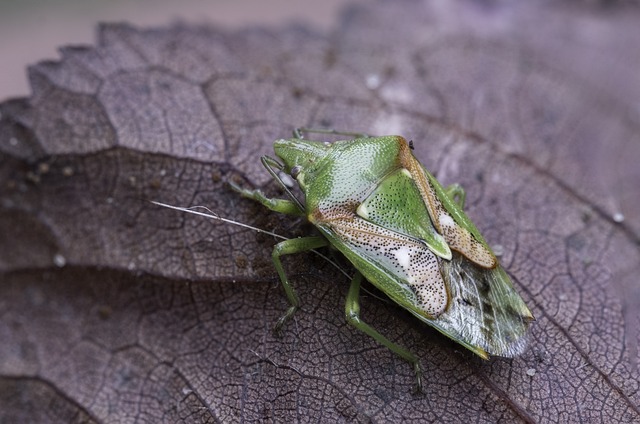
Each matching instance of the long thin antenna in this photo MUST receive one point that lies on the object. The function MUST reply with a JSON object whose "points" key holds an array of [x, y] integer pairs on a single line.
{"points": [[213, 215]]}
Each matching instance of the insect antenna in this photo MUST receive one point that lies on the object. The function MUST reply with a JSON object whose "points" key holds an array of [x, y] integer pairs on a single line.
{"points": [[215, 216]]}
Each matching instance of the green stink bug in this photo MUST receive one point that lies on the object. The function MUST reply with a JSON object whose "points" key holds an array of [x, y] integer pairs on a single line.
{"points": [[371, 199]]}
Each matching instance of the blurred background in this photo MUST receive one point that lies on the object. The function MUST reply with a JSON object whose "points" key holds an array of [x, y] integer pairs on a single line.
{"points": [[33, 30]]}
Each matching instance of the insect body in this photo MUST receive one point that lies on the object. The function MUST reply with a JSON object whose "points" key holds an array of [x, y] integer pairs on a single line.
{"points": [[372, 200]]}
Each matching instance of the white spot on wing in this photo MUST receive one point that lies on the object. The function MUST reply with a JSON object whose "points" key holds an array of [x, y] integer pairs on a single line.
{"points": [[446, 221], [403, 257], [362, 211], [406, 172]]}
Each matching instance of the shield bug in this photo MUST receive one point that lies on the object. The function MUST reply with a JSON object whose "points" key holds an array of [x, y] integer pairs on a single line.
{"points": [[372, 200]]}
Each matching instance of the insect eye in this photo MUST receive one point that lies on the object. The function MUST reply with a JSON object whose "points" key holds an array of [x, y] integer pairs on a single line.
{"points": [[295, 171]]}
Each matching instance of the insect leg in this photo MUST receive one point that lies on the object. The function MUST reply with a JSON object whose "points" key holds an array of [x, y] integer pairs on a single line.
{"points": [[457, 194], [352, 311], [297, 133], [278, 205], [288, 247]]}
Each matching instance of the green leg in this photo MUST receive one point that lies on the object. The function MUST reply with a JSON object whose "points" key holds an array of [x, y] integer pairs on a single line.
{"points": [[288, 247], [352, 311], [457, 194], [278, 205], [297, 133], [292, 207]]}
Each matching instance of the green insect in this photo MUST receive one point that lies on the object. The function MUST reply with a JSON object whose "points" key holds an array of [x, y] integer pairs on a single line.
{"points": [[372, 200]]}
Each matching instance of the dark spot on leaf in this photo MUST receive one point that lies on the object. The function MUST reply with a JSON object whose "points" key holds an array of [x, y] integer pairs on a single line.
{"points": [[389, 71], [297, 92], [155, 184], [576, 242], [330, 58], [104, 311], [241, 261]]}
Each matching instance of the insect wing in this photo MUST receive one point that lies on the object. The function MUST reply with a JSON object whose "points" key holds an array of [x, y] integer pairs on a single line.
{"points": [[485, 312], [389, 240], [475, 307], [401, 266]]}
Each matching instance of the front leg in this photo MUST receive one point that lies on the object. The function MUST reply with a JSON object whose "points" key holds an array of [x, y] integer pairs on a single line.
{"points": [[278, 205]]}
